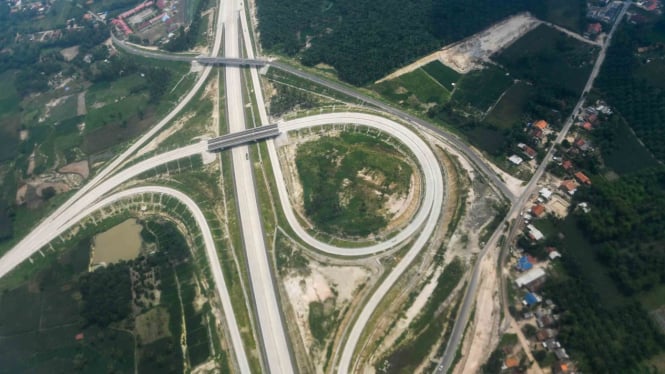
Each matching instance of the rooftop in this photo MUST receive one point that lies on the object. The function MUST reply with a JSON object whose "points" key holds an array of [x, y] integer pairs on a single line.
{"points": [[540, 124], [582, 178], [530, 276]]}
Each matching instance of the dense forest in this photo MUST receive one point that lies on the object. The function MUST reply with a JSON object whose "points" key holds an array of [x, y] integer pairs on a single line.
{"points": [[602, 339], [364, 39], [106, 294], [627, 223], [639, 98]]}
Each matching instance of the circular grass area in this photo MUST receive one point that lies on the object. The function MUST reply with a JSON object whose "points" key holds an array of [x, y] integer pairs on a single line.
{"points": [[350, 181]]}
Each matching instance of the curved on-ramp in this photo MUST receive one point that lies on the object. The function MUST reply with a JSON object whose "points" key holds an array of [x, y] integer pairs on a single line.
{"points": [[211, 252], [422, 226], [433, 182]]}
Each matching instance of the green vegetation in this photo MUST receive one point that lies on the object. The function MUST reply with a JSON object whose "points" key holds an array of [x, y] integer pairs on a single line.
{"points": [[570, 14], [555, 62], [447, 281], [427, 328], [510, 109], [346, 181], [623, 84], [496, 359], [417, 89], [186, 39], [629, 228], [322, 318], [601, 338], [621, 150], [364, 40], [40, 318], [482, 88], [446, 76], [122, 99], [106, 294], [290, 98], [288, 257]]}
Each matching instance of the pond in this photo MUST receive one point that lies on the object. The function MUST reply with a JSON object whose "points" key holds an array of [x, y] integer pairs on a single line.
{"points": [[121, 242]]}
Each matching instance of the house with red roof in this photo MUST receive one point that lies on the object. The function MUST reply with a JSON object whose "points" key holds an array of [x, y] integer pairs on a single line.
{"points": [[594, 28], [582, 178], [540, 124], [567, 165], [569, 186], [537, 210]]}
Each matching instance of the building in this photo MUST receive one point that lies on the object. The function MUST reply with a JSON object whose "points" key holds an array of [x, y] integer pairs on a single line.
{"points": [[515, 159], [545, 334], [567, 165], [561, 354], [540, 124], [510, 363], [537, 134], [529, 277], [594, 28], [583, 145], [569, 186], [582, 178], [537, 210], [545, 193], [587, 126], [529, 152], [534, 233], [531, 299], [523, 264]]}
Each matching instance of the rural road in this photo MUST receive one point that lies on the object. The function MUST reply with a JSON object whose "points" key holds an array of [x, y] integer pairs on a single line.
{"points": [[469, 296]]}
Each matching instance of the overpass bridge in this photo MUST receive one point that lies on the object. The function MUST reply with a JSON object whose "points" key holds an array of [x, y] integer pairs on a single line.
{"points": [[208, 60], [242, 137]]}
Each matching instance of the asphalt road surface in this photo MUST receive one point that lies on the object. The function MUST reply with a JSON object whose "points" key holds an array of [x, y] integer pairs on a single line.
{"points": [[271, 327]]}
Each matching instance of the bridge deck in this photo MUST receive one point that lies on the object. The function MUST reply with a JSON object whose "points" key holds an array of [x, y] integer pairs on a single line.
{"points": [[208, 60], [242, 137]]}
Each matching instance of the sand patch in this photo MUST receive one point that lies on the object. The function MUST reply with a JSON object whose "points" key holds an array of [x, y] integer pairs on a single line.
{"points": [[80, 167], [70, 53], [471, 53], [323, 282]]}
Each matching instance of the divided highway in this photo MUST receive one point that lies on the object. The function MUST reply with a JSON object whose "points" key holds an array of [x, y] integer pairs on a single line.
{"points": [[275, 347]]}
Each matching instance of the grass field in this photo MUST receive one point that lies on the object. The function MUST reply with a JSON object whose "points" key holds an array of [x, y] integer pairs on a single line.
{"points": [[510, 109], [417, 88], [482, 88], [446, 76], [551, 60], [346, 181]]}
